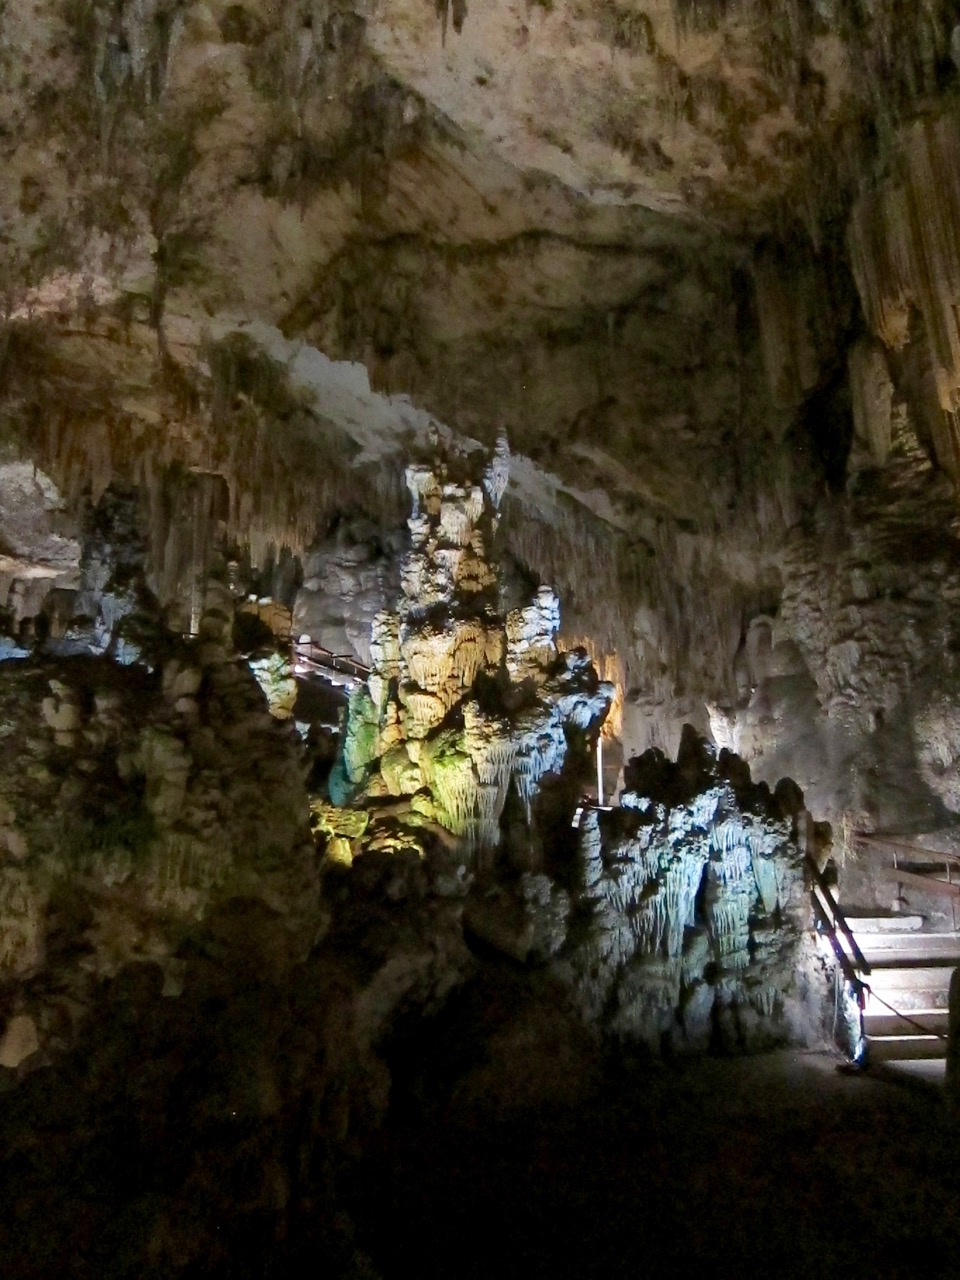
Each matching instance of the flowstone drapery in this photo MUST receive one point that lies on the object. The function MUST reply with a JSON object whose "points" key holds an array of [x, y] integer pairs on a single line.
{"points": [[692, 912], [463, 703]]}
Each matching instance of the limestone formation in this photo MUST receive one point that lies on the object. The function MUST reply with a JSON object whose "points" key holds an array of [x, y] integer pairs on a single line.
{"points": [[348, 580], [903, 241], [693, 918], [161, 804], [271, 274], [464, 706]]}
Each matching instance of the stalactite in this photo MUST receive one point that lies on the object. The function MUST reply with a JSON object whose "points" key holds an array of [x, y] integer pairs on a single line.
{"points": [[449, 773], [423, 712], [680, 890], [427, 658], [610, 668], [541, 746], [904, 244], [694, 900], [469, 654], [590, 565], [872, 395], [531, 635], [242, 427], [793, 309]]}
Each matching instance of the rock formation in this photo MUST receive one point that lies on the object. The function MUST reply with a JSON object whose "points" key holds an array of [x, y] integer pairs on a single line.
{"points": [[347, 581], [464, 707], [680, 920], [700, 261], [693, 922]]}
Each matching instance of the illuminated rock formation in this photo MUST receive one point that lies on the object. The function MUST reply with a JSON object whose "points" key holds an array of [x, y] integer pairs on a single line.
{"points": [[348, 579], [464, 704], [35, 556], [700, 260], [692, 906]]}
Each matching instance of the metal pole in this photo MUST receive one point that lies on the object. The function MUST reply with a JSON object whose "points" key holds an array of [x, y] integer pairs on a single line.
{"points": [[599, 768]]}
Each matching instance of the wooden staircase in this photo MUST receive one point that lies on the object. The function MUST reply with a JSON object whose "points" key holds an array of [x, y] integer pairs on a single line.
{"points": [[906, 997], [899, 970], [905, 1012]]}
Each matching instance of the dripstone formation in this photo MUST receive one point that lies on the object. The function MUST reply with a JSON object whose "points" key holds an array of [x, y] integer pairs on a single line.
{"points": [[694, 924], [700, 261], [184, 977], [678, 919], [471, 719]]}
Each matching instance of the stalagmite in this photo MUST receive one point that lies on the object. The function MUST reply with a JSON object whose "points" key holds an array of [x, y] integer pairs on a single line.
{"points": [[497, 475], [385, 645], [436, 731]]}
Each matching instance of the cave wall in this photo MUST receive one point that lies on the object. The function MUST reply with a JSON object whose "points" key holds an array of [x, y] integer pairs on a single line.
{"points": [[699, 263]]}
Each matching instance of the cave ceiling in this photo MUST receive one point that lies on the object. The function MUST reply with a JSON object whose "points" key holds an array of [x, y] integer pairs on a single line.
{"points": [[282, 241]]}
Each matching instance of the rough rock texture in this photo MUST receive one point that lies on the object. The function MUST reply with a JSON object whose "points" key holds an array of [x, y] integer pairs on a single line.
{"points": [[699, 260], [664, 298], [128, 795], [464, 708], [681, 921], [39, 551], [191, 1025], [690, 926], [248, 192], [347, 581], [850, 687]]}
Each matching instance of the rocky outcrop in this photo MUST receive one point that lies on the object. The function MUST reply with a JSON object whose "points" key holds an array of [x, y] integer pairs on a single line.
{"points": [[700, 261], [177, 994], [464, 707], [678, 920], [851, 692], [134, 800], [690, 924], [39, 549], [347, 581], [903, 243]]}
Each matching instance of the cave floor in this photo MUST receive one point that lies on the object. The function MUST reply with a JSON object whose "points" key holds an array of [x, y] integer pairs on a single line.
{"points": [[779, 1164]]}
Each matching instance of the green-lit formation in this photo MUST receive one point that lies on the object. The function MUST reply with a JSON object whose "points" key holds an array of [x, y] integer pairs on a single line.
{"points": [[466, 706]]}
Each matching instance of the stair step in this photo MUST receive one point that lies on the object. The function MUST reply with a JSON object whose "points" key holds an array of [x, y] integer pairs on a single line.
{"points": [[909, 1002], [902, 1048], [897, 923], [888, 1024], [909, 948], [883, 964], [926, 1071], [918, 977], [906, 1000]]}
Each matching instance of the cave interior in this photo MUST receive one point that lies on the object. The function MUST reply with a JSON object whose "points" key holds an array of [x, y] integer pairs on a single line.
{"points": [[479, 645]]}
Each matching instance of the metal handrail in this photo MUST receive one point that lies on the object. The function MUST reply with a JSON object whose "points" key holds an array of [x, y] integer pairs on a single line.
{"points": [[315, 653], [864, 988], [832, 916], [842, 958], [850, 966], [898, 843]]}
